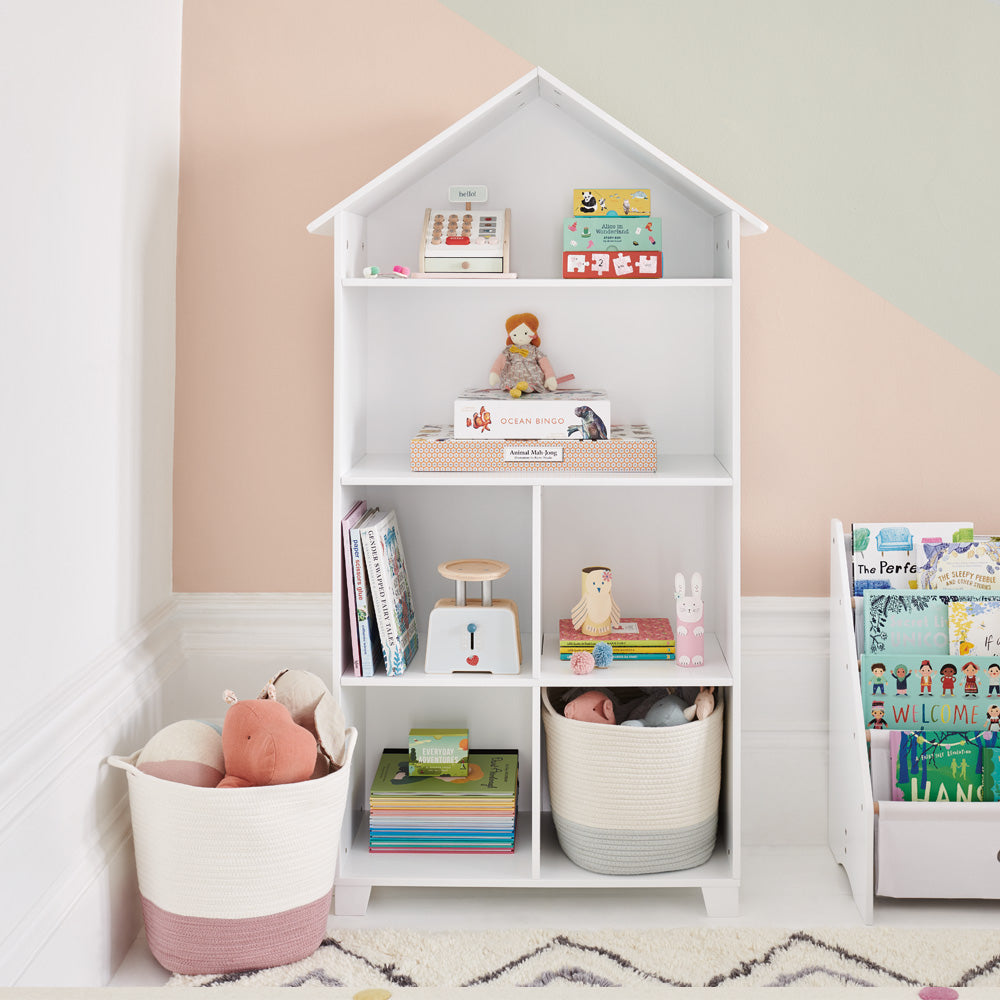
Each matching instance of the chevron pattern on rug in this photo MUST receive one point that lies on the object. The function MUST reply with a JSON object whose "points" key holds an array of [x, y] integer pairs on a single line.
{"points": [[675, 957]]}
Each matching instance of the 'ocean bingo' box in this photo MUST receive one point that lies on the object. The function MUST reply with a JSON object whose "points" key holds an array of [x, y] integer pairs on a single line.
{"points": [[439, 752], [567, 414]]}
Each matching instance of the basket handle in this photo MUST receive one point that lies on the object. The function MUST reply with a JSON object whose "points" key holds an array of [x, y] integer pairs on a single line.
{"points": [[123, 763]]}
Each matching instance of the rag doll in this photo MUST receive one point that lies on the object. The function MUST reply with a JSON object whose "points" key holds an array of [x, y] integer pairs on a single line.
{"points": [[521, 366]]}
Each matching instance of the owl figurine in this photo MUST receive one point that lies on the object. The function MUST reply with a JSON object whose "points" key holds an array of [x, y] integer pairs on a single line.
{"points": [[596, 613]]}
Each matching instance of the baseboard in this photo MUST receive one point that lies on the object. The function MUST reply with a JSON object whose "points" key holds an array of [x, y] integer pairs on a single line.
{"points": [[70, 910]]}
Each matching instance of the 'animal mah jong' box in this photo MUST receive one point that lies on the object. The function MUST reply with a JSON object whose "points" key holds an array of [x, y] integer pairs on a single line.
{"points": [[583, 414], [629, 448], [611, 234], [611, 201]]}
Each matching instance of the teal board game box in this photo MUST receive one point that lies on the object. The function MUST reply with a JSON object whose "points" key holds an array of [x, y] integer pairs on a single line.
{"points": [[439, 752], [635, 233]]}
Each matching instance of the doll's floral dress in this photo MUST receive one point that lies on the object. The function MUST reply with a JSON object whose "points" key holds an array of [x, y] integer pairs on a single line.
{"points": [[522, 364]]}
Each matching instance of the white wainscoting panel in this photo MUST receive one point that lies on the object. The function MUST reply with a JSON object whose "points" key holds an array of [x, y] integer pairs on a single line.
{"points": [[70, 910]]}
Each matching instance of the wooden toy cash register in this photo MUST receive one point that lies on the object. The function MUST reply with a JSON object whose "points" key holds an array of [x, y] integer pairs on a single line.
{"points": [[458, 240]]}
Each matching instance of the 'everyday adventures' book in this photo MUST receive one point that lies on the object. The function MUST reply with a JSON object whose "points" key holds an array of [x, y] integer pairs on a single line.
{"points": [[392, 601]]}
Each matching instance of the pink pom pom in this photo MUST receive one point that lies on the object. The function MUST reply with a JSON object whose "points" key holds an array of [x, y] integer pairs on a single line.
{"points": [[582, 662]]}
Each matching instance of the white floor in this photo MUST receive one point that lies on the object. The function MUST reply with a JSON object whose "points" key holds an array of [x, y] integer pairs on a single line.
{"points": [[797, 888]]}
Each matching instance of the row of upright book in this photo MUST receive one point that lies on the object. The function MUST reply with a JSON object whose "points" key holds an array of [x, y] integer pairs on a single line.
{"points": [[380, 604], [474, 814]]}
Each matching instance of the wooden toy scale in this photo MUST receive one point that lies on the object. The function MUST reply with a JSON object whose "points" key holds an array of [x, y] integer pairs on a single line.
{"points": [[466, 634]]}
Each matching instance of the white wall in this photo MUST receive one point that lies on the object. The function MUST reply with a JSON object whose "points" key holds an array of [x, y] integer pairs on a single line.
{"points": [[89, 127]]}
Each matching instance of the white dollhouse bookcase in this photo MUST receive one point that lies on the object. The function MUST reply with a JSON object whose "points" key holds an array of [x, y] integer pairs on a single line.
{"points": [[665, 350]]}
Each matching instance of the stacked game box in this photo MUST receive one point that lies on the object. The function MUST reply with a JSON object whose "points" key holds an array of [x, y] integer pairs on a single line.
{"points": [[612, 235]]}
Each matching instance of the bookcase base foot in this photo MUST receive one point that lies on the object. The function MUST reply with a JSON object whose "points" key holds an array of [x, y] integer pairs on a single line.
{"points": [[351, 900], [721, 902]]}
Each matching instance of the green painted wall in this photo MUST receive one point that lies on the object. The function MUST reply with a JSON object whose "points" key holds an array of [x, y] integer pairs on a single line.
{"points": [[869, 130]]}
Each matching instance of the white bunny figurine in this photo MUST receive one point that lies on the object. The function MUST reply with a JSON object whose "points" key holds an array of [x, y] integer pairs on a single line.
{"points": [[690, 622]]}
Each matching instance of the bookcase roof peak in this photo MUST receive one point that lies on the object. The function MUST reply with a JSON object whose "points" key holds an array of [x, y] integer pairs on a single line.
{"points": [[536, 85]]}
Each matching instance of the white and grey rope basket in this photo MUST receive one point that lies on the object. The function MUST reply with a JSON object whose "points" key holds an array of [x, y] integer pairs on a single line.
{"points": [[235, 878], [633, 800]]}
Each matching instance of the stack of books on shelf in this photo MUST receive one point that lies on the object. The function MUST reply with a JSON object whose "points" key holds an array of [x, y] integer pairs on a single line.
{"points": [[379, 602], [612, 235], [476, 814], [632, 639], [930, 671]]}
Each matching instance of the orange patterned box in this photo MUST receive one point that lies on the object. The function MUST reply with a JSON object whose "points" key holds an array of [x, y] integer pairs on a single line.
{"points": [[630, 448]]}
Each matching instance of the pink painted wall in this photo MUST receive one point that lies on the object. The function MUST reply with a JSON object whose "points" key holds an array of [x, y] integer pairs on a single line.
{"points": [[847, 404]]}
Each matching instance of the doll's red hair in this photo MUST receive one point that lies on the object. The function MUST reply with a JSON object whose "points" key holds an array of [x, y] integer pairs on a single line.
{"points": [[530, 320]]}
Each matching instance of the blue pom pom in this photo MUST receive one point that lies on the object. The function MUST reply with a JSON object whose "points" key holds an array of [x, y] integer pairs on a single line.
{"points": [[603, 655]]}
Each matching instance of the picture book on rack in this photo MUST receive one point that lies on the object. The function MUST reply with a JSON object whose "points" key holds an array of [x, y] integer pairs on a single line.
{"points": [[938, 692], [971, 565], [909, 621], [974, 627], [890, 555], [392, 602], [931, 766]]}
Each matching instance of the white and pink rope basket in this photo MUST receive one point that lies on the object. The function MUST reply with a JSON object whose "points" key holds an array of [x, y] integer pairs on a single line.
{"points": [[235, 878]]}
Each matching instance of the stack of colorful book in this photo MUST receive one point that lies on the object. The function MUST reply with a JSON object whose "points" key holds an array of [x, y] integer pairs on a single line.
{"points": [[442, 815], [632, 639]]}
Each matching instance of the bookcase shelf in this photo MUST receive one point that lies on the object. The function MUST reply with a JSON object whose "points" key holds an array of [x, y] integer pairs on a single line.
{"points": [[671, 470], [666, 351]]}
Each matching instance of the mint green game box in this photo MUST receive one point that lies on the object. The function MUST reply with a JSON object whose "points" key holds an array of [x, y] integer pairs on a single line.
{"points": [[439, 752]]}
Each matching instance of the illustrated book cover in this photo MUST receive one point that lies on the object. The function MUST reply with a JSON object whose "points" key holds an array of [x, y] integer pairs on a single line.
{"points": [[943, 693], [392, 602], [890, 555], [350, 519], [931, 766], [971, 565], [369, 646], [569, 414], [974, 626], [629, 448], [909, 621]]}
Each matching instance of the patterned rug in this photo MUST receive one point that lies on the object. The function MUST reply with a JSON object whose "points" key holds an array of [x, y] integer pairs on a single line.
{"points": [[394, 960]]}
